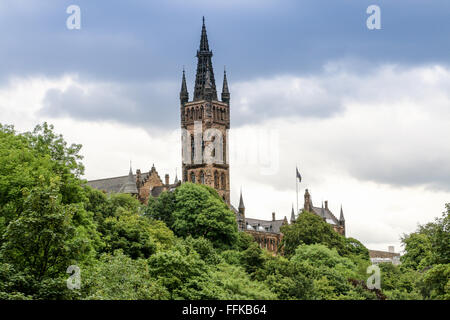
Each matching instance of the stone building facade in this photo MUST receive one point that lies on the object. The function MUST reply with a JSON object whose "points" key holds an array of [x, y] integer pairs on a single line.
{"points": [[325, 213], [141, 185], [205, 122]]}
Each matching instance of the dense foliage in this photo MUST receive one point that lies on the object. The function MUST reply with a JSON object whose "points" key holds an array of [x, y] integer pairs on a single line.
{"points": [[182, 245]]}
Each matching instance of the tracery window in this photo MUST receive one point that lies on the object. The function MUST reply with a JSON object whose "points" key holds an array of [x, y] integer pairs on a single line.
{"points": [[216, 180], [202, 177]]}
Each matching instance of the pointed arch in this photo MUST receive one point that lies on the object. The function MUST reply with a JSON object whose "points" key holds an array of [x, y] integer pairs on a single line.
{"points": [[202, 177], [216, 179], [223, 181]]}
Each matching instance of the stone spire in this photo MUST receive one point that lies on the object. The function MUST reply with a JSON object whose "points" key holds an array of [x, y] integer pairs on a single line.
{"points": [[241, 214], [241, 203], [130, 185], [292, 214], [204, 46], [225, 91], [204, 66], [184, 94], [176, 177], [341, 217]]}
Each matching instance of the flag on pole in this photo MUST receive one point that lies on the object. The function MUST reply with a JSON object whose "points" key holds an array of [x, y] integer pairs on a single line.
{"points": [[298, 175]]}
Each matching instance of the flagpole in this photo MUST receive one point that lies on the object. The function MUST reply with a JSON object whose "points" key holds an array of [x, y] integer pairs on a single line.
{"points": [[296, 186]]}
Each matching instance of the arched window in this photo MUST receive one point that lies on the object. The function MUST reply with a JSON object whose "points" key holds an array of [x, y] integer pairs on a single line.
{"points": [[192, 177], [203, 146], [202, 177], [192, 114], [214, 113], [201, 112], [192, 149], [216, 180], [222, 178]]}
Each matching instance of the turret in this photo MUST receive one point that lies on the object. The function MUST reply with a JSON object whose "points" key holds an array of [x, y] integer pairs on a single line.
{"points": [[130, 185], [341, 218], [292, 214], [308, 204], [184, 94], [225, 91], [241, 214]]}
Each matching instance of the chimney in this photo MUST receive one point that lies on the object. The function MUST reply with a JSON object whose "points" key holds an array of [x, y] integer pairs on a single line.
{"points": [[326, 204], [273, 216], [167, 179], [391, 249]]}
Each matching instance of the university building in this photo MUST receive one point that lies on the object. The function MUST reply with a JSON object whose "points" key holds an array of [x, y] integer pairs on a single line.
{"points": [[205, 122]]}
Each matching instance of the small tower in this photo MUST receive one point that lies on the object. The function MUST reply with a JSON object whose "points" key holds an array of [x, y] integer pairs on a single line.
{"points": [[184, 94], [130, 185], [225, 91], [308, 203], [341, 217], [342, 222], [292, 214], [241, 215]]}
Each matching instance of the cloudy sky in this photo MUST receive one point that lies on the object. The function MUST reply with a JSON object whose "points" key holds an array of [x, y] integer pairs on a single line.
{"points": [[365, 114]]}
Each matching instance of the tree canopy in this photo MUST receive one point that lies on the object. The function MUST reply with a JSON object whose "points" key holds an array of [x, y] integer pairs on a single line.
{"points": [[182, 245]]}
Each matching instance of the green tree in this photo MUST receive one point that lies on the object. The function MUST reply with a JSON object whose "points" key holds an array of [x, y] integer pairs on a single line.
{"points": [[228, 282], [252, 258], [162, 208], [330, 272], [418, 251], [180, 270], [435, 283], [137, 236], [310, 229], [44, 240], [399, 282], [200, 212], [118, 277], [286, 279]]}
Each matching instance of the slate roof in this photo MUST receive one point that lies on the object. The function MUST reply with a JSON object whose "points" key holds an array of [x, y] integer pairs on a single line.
{"points": [[329, 216], [382, 254], [267, 225], [112, 185]]}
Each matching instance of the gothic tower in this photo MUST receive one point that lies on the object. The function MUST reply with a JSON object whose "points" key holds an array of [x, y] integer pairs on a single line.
{"points": [[205, 122]]}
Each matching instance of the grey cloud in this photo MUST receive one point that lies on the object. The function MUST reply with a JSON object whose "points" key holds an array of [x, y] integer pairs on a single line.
{"points": [[144, 105]]}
